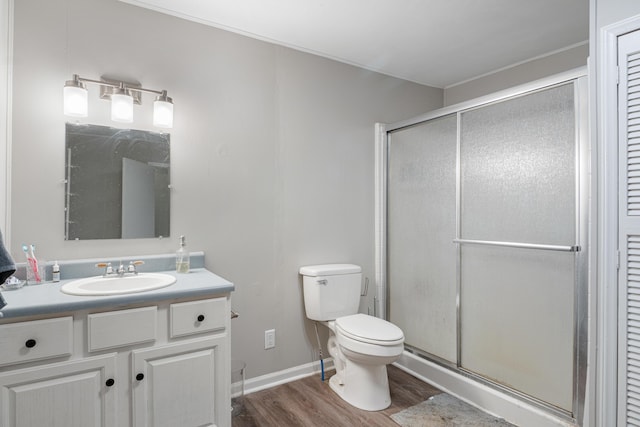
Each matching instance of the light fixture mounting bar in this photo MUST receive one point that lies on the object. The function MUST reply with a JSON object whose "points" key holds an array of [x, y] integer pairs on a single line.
{"points": [[108, 86]]}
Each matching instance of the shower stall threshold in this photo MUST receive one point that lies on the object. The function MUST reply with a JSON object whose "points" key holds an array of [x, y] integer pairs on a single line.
{"points": [[492, 398]]}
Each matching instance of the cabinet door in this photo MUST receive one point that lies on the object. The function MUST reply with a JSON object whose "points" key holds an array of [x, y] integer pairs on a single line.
{"points": [[184, 384], [68, 394]]}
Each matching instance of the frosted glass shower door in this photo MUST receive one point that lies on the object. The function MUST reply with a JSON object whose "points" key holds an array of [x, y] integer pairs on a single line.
{"points": [[421, 264], [518, 186]]}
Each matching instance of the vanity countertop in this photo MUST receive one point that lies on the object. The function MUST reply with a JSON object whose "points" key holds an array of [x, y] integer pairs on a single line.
{"points": [[47, 298]]}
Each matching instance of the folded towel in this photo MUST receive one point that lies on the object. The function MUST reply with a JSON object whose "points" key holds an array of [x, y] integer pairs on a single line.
{"points": [[7, 266]]}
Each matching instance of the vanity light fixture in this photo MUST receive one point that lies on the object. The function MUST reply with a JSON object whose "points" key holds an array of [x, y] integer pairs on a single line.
{"points": [[75, 98], [122, 94], [121, 105], [163, 111]]}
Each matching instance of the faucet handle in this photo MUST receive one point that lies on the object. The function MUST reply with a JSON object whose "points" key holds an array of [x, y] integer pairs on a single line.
{"points": [[132, 266], [106, 266]]}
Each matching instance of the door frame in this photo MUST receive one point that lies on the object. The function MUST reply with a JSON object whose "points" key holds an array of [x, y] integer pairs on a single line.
{"points": [[608, 407], [6, 68]]}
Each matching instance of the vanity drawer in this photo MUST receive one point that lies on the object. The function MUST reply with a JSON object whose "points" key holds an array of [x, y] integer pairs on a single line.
{"points": [[124, 327], [35, 340], [195, 317]]}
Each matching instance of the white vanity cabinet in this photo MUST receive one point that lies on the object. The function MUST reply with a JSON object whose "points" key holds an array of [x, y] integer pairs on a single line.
{"points": [[69, 393], [186, 383], [175, 384], [146, 365], [77, 393]]}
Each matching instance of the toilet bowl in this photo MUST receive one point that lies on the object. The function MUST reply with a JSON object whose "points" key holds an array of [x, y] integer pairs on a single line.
{"points": [[361, 354], [361, 345]]}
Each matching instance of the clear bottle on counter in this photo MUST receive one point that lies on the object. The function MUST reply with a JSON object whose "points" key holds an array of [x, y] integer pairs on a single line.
{"points": [[182, 257], [55, 272]]}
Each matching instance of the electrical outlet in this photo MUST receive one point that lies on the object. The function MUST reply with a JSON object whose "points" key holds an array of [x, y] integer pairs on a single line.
{"points": [[269, 339]]}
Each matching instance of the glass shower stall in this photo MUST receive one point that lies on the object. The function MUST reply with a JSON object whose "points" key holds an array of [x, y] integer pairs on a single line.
{"points": [[483, 239]]}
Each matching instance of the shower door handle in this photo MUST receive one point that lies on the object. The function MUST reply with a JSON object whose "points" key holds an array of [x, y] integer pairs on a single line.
{"points": [[559, 248]]}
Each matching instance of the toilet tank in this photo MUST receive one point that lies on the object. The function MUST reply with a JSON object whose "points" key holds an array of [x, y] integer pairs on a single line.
{"points": [[331, 290]]}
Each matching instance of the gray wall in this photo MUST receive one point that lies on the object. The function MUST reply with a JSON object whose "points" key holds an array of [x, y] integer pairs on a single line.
{"points": [[519, 74], [610, 11], [272, 153]]}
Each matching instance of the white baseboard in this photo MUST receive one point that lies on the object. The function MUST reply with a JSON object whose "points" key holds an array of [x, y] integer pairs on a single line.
{"points": [[281, 377], [479, 395]]}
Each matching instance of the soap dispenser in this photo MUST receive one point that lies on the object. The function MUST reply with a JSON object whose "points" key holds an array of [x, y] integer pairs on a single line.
{"points": [[182, 257]]}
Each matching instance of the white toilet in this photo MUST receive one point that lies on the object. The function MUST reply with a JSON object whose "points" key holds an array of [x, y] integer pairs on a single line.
{"points": [[361, 345]]}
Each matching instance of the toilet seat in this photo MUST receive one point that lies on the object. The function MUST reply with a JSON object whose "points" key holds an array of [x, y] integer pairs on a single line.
{"points": [[369, 329]]}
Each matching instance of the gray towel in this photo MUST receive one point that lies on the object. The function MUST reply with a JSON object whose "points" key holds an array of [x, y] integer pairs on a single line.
{"points": [[7, 266]]}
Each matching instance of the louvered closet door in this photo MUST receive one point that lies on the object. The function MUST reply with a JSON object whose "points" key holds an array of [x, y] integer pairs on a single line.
{"points": [[629, 239]]}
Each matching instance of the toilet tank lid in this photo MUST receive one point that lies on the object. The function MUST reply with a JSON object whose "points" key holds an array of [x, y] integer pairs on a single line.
{"points": [[329, 269]]}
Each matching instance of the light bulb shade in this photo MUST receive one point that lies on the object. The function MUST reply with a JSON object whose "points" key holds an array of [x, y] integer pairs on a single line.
{"points": [[121, 107], [163, 112], [76, 99]]}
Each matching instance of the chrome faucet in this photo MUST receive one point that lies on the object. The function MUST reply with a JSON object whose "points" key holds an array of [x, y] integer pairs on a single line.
{"points": [[121, 270]]}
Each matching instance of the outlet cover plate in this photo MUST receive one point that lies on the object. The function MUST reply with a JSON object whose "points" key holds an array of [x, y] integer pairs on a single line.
{"points": [[269, 339]]}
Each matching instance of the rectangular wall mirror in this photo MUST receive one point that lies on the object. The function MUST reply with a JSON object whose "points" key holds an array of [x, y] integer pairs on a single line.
{"points": [[117, 183]]}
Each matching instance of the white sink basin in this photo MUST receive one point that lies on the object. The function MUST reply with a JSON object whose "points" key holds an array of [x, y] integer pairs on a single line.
{"points": [[117, 285]]}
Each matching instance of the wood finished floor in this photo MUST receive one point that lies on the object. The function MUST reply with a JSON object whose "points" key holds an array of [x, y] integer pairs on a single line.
{"points": [[309, 402]]}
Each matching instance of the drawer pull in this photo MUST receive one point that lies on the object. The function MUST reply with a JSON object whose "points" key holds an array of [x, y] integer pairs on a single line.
{"points": [[140, 377], [110, 382], [30, 343], [200, 317]]}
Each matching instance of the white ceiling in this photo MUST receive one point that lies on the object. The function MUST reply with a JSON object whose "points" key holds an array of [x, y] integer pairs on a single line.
{"points": [[434, 42]]}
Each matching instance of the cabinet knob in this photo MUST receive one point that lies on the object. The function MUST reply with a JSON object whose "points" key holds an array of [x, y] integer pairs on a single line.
{"points": [[200, 317], [30, 343], [140, 377], [110, 382]]}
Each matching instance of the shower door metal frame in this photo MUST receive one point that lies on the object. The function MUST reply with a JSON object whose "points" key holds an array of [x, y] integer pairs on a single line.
{"points": [[580, 247]]}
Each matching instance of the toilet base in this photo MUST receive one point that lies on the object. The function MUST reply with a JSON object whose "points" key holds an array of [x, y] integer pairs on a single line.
{"points": [[363, 386]]}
